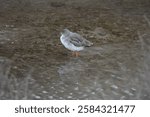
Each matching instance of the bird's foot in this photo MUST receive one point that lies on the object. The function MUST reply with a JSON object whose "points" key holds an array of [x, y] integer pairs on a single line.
{"points": [[76, 54]]}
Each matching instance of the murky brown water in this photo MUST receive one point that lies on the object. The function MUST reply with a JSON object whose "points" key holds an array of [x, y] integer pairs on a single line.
{"points": [[34, 64]]}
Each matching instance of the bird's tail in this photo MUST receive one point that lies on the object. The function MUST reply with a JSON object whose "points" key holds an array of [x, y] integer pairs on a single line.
{"points": [[88, 43]]}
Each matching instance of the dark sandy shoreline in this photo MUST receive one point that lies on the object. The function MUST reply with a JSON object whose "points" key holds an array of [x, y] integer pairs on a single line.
{"points": [[34, 64]]}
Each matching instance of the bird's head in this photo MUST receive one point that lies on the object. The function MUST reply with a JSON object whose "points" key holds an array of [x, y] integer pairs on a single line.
{"points": [[65, 32]]}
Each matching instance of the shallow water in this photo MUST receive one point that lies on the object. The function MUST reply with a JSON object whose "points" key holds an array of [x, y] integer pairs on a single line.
{"points": [[34, 65]]}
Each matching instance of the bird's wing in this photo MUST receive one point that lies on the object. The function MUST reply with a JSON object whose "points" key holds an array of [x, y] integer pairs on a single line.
{"points": [[78, 40]]}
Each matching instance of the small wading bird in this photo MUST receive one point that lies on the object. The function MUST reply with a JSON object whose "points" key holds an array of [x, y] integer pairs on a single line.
{"points": [[74, 41]]}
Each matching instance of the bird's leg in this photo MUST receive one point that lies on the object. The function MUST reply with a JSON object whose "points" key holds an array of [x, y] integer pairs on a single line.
{"points": [[77, 54], [73, 53]]}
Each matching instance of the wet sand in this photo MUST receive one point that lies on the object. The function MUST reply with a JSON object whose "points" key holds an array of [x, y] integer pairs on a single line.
{"points": [[35, 65]]}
